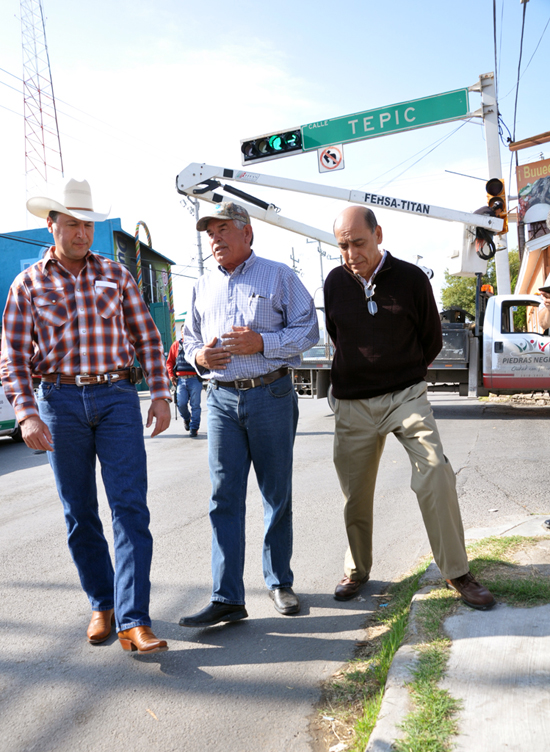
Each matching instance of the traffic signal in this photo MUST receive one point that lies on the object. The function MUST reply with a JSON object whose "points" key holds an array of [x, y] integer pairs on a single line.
{"points": [[271, 146], [496, 200]]}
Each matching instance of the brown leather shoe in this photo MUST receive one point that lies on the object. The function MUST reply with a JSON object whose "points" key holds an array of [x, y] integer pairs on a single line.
{"points": [[347, 589], [472, 593], [100, 626], [141, 639]]}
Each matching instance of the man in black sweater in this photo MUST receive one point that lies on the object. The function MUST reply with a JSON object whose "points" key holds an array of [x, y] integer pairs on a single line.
{"points": [[383, 320]]}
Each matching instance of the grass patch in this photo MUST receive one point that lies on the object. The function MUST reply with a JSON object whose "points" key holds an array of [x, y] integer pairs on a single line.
{"points": [[433, 721], [494, 550], [430, 727], [352, 698], [431, 612], [492, 560], [432, 724], [521, 592]]}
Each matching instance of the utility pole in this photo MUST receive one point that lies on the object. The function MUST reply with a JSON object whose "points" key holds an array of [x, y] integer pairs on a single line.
{"points": [[294, 262], [195, 212], [195, 202], [490, 121], [321, 254]]}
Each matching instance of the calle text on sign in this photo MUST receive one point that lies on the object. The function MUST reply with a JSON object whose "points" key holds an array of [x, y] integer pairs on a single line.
{"points": [[418, 113]]}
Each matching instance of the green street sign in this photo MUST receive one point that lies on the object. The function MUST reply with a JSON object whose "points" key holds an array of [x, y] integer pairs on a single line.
{"points": [[418, 113]]}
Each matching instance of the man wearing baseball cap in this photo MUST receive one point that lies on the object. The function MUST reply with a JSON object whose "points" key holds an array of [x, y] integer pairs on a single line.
{"points": [[251, 319], [76, 321]]}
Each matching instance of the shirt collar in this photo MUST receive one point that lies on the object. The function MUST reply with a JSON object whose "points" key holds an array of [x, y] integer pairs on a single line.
{"points": [[370, 282], [242, 268], [49, 260], [384, 267]]}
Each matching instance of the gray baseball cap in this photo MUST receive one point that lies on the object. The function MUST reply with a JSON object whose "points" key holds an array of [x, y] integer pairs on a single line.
{"points": [[225, 210]]}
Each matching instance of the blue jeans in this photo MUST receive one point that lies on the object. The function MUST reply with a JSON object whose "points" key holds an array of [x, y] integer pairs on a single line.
{"points": [[189, 389], [255, 425], [103, 421]]}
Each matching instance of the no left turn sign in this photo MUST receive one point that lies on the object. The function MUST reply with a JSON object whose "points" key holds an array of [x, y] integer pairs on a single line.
{"points": [[331, 158]]}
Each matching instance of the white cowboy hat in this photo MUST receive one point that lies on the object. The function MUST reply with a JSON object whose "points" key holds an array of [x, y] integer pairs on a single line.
{"points": [[76, 201]]}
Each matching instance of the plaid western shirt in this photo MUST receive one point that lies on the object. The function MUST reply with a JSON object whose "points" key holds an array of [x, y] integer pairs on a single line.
{"points": [[265, 295], [91, 324]]}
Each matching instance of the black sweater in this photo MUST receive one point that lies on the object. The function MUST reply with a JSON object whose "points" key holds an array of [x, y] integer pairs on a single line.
{"points": [[388, 351]]}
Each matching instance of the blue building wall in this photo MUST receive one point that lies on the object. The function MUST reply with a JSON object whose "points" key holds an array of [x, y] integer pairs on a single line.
{"points": [[18, 250]]}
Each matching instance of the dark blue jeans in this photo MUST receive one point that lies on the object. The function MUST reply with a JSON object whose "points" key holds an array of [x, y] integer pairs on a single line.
{"points": [[103, 421], [255, 426], [189, 389]]}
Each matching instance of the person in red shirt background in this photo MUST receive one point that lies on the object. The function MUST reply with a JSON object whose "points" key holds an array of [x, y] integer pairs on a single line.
{"points": [[188, 386]]}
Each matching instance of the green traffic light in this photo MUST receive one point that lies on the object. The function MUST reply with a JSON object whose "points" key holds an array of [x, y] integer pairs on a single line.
{"points": [[294, 140], [276, 142], [271, 146]]}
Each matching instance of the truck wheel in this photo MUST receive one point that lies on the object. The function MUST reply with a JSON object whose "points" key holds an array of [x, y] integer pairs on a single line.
{"points": [[330, 398], [17, 435]]}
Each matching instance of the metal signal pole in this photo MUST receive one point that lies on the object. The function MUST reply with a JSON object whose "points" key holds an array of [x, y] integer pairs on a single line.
{"points": [[489, 107]]}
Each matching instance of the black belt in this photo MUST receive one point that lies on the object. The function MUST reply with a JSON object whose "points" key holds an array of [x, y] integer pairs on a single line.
{"points": [[135, 375], [269, 378]]}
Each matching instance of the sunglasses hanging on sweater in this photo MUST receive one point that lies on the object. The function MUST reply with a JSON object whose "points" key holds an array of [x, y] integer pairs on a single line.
{"points": [[370, 287]]}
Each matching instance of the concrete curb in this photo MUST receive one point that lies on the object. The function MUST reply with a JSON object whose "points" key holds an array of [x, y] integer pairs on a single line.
{"points": [[396, 702]]}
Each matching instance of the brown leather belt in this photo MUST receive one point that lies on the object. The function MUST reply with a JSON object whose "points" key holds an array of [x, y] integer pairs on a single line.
{"points": [[269, 378], [86, 379]]}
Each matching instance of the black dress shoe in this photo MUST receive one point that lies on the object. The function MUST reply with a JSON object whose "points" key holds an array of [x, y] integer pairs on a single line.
{"points": [[214, 613], [193, 432], [186, 425], [286, 601]]}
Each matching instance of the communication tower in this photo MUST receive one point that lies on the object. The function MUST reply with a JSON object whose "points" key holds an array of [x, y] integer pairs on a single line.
{"points": [[43, 159]]}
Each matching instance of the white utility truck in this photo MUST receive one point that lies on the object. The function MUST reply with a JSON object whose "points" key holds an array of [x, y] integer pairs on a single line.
{"points": [[502, 353], [8, 424]]}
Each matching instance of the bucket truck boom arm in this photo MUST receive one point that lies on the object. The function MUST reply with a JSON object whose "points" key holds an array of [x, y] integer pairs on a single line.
{"points": [[205, 182]]}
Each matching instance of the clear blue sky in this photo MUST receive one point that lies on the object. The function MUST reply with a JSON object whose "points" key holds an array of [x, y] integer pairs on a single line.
{"points": [[159, 85]]}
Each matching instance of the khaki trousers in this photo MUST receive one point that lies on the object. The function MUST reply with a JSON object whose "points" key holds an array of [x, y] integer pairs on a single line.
{"points": [[359, 438]]}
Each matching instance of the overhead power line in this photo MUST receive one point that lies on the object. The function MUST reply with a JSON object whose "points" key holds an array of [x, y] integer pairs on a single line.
{"points": [[495, 46], [436, 145], [519, 70], [124, 133]]}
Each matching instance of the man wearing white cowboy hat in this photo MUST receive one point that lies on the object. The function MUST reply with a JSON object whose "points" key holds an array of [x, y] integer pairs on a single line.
{"points": [[76, 321]]}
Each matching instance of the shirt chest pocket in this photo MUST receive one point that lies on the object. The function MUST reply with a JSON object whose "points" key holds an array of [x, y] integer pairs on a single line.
{"points": [[107, 301], [261, 312], [51, 308]]}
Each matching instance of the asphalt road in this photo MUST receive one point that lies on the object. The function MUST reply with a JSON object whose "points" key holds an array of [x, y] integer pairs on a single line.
{"points": [[249, 686]]}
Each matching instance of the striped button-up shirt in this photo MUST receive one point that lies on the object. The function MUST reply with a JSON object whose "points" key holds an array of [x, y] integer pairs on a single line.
{"points": [[266, 296], [94, 323]]}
